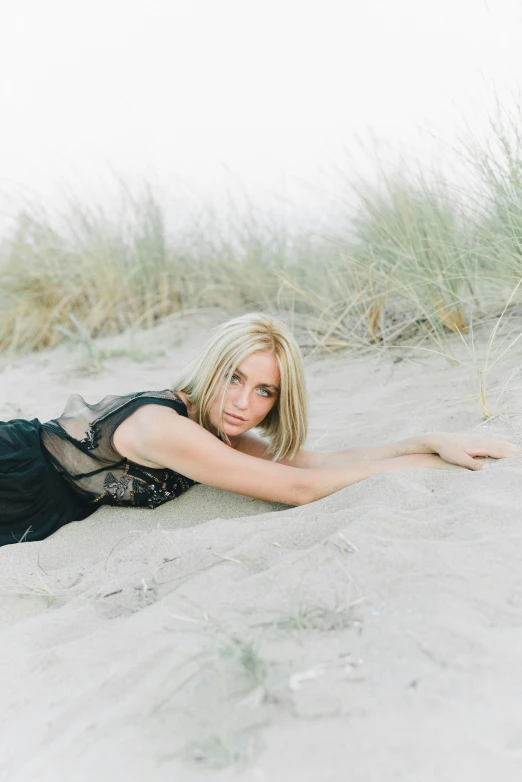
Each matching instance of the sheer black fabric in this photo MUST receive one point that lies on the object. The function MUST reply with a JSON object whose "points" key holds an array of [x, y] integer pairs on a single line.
{"points": [[63, 470], [34, 499]]}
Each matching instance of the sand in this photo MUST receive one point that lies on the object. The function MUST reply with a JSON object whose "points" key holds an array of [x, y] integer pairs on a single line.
{"points": [[372, 636]]}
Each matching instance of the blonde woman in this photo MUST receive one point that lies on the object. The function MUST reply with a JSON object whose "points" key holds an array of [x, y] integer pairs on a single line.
{"points": [[146, 448]]}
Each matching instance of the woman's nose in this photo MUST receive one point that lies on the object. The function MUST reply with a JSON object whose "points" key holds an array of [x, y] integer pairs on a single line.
{"points": [[241, 398]]}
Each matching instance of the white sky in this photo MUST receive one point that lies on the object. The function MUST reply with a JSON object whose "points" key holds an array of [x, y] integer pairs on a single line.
{"points": [[200, 93]]}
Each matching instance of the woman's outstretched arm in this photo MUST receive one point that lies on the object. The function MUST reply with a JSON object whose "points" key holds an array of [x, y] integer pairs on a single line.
{"points": [[156, 436], [365, 453], [251, 443], [462, 450]]}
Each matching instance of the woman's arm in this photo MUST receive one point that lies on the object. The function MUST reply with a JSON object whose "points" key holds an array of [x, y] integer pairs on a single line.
{"points": [[411, 445], [159, 436], [461, 450], [255, 446]]}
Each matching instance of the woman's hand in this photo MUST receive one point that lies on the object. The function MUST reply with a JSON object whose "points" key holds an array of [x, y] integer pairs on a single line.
{"points": [[415, 461], [466, 451]]}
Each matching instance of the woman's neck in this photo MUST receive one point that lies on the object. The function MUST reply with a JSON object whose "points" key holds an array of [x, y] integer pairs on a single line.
{"points": [[193, 416]]}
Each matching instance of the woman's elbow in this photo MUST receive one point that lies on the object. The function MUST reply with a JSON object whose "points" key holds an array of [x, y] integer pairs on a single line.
{"points": [[302, 493]]}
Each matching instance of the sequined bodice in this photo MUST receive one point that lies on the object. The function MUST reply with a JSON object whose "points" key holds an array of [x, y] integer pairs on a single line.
{"points": [[80, 445], [142, 487]]}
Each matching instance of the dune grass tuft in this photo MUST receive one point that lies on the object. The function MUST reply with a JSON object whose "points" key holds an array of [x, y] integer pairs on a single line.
{"points": [[416, 263]]}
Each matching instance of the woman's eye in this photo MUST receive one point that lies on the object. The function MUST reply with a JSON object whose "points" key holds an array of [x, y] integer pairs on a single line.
{"points": [[265, 393]]}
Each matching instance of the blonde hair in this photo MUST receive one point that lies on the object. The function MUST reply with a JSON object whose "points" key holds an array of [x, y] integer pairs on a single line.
{"points": [[232, 342]]}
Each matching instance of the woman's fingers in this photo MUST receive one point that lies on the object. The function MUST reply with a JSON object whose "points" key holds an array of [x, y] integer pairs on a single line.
{"points": [[497, 449], [471, 452], [473, 464]]}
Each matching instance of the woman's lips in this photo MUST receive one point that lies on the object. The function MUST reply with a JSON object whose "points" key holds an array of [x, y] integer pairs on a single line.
{"points": [[235, 418]]}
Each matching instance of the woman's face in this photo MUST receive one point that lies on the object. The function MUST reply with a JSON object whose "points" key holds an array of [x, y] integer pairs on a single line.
{"points": [[252, 392]]}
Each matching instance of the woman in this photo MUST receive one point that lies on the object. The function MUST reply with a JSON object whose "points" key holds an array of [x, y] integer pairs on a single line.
{"points": [[146, 448]]}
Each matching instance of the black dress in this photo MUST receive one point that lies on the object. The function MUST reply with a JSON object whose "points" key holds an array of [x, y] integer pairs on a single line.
{"points": [[63, 470]]}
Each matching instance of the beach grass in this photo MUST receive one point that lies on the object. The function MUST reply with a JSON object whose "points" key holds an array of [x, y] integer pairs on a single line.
{"points": [[417, 261]]}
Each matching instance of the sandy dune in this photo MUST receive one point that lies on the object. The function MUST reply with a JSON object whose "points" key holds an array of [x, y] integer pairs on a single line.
{"points": [[372, 636]]}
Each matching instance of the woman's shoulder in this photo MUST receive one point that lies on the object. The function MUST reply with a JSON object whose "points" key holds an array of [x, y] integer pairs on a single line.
{"points": [[151, 405], [153, 413], [167, 395], [146, 404]]}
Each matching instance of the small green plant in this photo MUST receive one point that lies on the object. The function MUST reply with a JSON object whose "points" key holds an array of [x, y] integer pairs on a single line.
{"points": [[315, 617], [246, 654], [218, 751]]}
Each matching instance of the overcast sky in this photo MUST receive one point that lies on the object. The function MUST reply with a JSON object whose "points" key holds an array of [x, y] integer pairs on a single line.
{"points": [[198, 93]]}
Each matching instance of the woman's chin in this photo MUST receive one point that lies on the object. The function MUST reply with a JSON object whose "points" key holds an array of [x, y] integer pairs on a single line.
{"points": [[230, 428]]}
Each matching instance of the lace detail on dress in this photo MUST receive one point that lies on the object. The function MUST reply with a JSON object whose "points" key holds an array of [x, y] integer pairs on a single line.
{"points": [[91, 438], [149, 491], [150, 494], [114, 485]]}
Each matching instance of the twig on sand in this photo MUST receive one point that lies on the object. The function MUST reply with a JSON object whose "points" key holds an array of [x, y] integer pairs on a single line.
{"points": [[38, 563], [350, 547], [348, 543], [114, 547], [190, 619], [229, 559], [186, 573], [196, 570], [427, 652]]}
